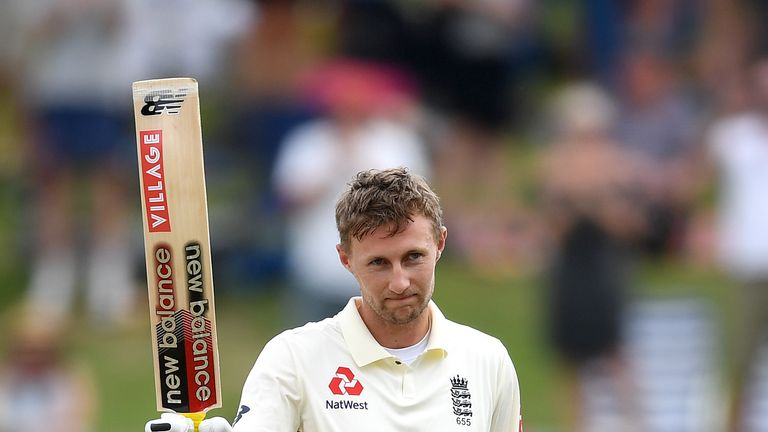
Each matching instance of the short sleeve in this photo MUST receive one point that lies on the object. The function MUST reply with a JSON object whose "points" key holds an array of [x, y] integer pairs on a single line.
{"points": [[506, 413], [271, 396]]}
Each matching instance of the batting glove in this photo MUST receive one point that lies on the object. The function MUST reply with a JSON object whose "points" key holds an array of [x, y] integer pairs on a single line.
{"points": [[170, 422], [215, 424]]}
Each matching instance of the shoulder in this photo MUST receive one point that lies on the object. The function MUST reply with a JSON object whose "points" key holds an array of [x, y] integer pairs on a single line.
{"points": [[723, 130], [307, 149], [737, 122], [305, 340], [392, 136], [397, 145], [473, 341], [392, 128], [309, 131], [313, 136], [483, 357]]}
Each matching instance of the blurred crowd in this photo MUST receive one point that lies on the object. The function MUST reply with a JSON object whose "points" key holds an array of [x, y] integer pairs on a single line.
{"points": [[567, 139]]}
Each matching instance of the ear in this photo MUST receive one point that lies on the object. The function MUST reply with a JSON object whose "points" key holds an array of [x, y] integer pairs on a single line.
{"points": [[343, 256], [441, 241]]}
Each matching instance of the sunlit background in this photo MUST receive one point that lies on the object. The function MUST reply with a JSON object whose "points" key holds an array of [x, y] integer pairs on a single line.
{"points": [[603, 166]]}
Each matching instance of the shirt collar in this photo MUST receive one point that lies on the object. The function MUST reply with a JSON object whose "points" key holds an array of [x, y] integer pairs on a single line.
{"points": [[364, 348]]}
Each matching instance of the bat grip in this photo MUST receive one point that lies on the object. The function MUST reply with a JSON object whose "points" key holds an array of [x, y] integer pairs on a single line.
{"points": [[196, 418]]}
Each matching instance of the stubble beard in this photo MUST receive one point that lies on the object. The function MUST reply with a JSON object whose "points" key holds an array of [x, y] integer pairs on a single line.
{"points": [[391, 318]]}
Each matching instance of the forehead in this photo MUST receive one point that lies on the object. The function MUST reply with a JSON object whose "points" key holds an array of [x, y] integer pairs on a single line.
{"points": [[418, 233]]}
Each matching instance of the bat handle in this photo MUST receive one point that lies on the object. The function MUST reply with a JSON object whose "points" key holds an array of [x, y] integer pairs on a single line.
{"points": [[196, 418]]}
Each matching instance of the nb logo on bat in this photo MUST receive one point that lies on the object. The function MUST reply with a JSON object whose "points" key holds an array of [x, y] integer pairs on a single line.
{"points": [[158, 102]]}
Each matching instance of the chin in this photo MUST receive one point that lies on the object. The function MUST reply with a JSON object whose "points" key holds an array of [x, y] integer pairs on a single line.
{"points": [[413, 314]]}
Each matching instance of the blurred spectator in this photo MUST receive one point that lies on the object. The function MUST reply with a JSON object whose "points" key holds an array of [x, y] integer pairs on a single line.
{"points": [[659, 123], [196, 38], [282, 42], [358, 132], [724, 46], [739, 149], [80, 149], [272, 58], [375, 31], [589, 198], [464, 67], [602, 33], [180, 38], [609, 27], [669, 24], [40, 390], [83, 155]]}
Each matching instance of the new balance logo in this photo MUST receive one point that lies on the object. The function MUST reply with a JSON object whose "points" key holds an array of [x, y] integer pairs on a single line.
{"points": [[345, 383], [158, 102]]}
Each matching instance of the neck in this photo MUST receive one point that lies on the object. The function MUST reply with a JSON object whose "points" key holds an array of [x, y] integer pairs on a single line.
{"points": [[390, 335]]}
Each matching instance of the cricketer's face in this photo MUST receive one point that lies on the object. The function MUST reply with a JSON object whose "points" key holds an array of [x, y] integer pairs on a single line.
{"points": [[396, 273]]}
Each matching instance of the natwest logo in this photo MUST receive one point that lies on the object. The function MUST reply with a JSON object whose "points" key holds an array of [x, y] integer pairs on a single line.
{"points": [[345, 383]]}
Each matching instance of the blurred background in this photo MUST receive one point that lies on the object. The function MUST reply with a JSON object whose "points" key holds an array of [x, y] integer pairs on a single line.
{"points": [[603, 166]]}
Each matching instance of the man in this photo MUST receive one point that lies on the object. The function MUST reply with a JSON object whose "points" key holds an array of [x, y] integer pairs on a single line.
{"points": [[738, 145], [389, 361]]}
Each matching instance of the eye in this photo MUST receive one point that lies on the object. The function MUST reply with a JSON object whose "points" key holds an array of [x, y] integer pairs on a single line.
{"points": [[415, 256], [376, 262]]}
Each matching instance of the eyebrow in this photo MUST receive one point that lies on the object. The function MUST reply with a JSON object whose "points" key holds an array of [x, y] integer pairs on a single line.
{"points": [[408, 252]]}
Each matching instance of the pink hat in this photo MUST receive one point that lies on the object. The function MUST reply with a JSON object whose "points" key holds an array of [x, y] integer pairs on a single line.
{"points": [[362, 87]]}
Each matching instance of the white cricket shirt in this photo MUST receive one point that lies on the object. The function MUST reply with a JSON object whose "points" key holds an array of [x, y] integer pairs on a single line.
{"points": [[333, 376], [739, 145]]}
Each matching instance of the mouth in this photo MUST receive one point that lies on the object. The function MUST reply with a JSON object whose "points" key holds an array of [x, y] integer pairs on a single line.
{"points": [[402, 299]]}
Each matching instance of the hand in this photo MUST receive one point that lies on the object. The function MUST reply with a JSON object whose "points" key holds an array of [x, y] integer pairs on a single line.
{"points": [[215, 424], [170, 422]]}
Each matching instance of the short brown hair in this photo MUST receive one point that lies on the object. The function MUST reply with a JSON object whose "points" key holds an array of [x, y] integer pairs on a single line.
{"points": [[390, 197]]}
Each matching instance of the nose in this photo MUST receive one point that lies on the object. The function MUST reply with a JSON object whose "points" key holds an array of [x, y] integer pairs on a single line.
{"points": [[400, 280]]}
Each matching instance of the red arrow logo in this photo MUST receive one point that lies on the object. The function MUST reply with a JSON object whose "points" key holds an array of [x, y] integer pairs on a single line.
{"points": [[345, 383]]}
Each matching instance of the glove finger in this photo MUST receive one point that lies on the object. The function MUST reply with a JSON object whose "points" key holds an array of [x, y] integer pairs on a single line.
{"points": [[215, 424], [169, 422]]}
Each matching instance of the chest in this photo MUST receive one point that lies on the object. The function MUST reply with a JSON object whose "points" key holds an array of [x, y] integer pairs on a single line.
{"points": [[432, 395]]}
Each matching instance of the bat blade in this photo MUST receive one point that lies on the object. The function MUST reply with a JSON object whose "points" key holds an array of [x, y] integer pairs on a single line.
{"points": [[177, 245]]}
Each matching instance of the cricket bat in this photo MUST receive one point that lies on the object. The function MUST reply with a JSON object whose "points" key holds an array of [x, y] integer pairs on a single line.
{"points": [[177, 246]]}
